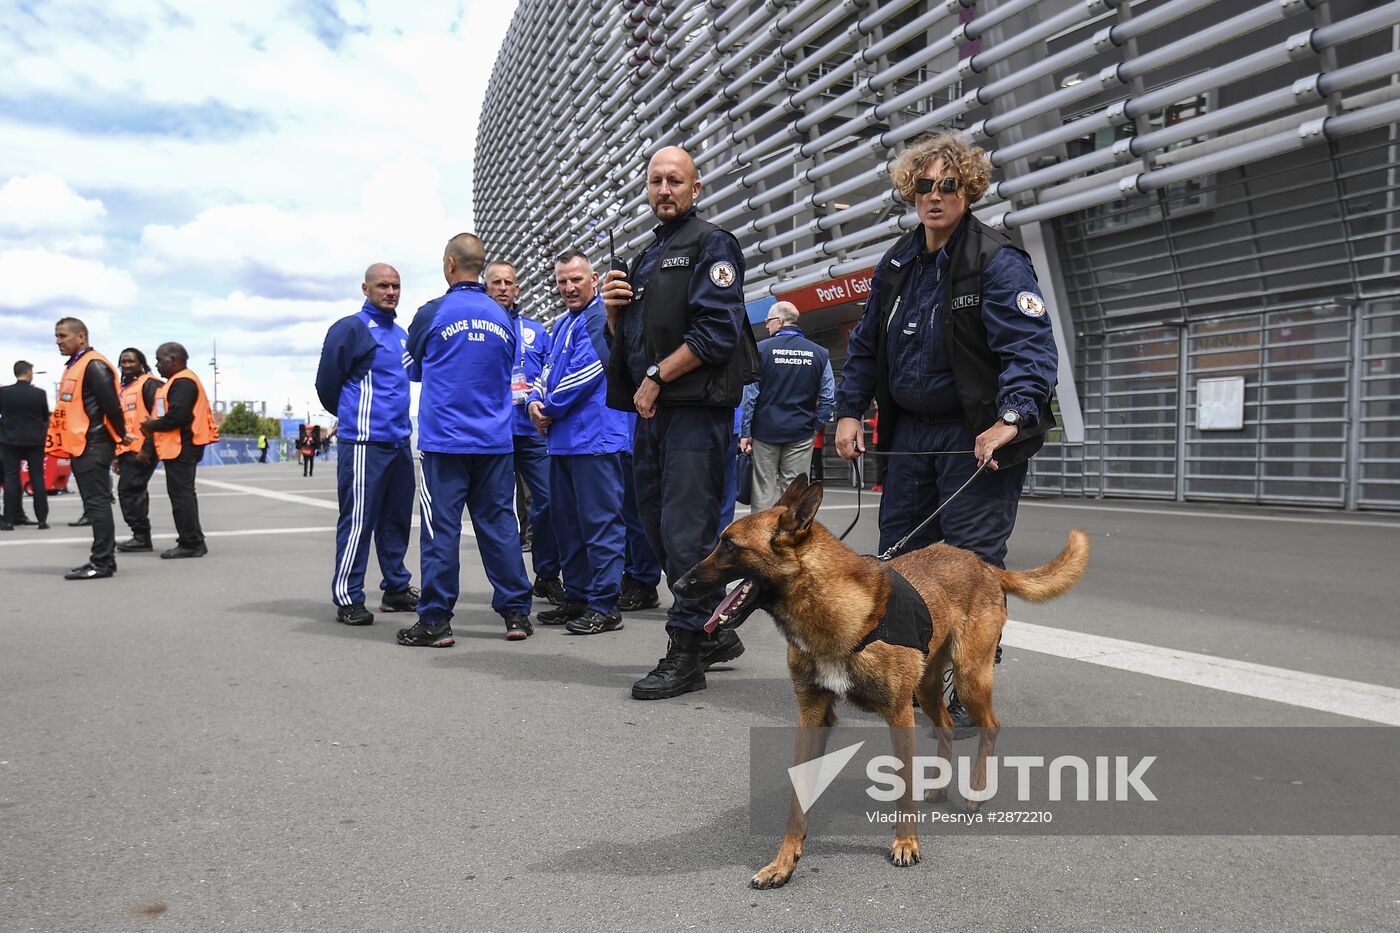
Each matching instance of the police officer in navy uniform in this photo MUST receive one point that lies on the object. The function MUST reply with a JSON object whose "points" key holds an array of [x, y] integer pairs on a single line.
{"points": [[363, 378], [956, 346], [531, 454], [463, 350], [682, 353], [783, 409]]}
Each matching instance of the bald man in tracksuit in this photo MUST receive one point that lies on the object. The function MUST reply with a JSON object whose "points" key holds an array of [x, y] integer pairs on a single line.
{"points": [[363, 378], [463, 350]]}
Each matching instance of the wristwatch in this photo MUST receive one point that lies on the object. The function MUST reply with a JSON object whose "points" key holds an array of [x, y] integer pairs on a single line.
{"points": [[1012, 417], [654, 374]]}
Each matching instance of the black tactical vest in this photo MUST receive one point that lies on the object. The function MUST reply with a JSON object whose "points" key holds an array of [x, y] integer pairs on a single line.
{"points": [[976, 369], [666, 313]]}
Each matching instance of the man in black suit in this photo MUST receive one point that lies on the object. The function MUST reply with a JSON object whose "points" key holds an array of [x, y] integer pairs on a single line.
{"points": [[24, 418]]}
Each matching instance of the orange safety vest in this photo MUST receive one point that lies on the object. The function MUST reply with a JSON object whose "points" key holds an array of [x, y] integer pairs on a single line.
{"points": [[134, 412], [68, 425], [203, 429]]}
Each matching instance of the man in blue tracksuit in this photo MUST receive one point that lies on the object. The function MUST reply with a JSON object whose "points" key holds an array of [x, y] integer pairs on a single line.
{"points": [[363, 378], [531, 455], [586, 443], [463, 350], [793, 396]]}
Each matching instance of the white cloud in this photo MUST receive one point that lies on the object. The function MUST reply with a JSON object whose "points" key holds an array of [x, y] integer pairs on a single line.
{"points": [[266, 251], [40, 280], [226, 171], [44, 204]]}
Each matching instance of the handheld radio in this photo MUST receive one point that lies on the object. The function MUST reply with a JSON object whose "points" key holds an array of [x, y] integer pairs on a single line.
{"points": [[615, 264]]}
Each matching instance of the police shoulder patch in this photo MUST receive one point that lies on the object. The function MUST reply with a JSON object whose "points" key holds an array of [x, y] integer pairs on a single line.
{"points": [[722, 273], [1031, 304]]}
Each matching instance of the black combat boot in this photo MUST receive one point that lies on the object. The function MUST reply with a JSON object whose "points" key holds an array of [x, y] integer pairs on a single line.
{"points": [[723, 645], [681, 671]]}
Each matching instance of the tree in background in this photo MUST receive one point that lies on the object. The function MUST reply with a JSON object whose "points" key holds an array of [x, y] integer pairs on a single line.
{"points": [[240, 422]]}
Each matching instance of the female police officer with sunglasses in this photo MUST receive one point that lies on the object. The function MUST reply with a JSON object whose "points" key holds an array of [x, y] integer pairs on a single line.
{"points": [[955, 345]]}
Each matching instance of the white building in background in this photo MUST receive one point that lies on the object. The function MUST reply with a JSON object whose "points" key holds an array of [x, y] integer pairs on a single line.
{"points": [[1208, 189]]}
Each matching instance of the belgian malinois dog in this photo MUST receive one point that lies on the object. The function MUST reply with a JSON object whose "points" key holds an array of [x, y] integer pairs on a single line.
{"points": [[827, 600]]}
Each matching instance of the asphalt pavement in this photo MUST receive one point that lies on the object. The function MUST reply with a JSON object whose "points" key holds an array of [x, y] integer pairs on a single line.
{"points": [[198, 745]]}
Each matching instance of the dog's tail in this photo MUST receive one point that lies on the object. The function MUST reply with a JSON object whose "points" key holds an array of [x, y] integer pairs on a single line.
{"points": [[1054, 578]]}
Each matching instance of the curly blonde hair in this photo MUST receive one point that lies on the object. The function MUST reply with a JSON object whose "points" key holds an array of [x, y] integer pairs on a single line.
{"points": [[969, 163]]}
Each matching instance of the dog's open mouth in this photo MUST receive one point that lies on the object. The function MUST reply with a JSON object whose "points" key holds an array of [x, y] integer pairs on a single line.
{"points": [[737, 606]]}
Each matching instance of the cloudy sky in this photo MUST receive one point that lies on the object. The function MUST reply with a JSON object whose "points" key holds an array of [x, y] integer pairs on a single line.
{"points": [[202, 171]]}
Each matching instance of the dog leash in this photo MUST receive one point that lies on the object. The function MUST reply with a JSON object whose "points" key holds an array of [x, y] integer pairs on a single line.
{"points": [[898, 546]]}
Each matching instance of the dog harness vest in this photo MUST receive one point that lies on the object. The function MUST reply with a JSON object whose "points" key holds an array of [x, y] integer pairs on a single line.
{"points": [[906, 621]]}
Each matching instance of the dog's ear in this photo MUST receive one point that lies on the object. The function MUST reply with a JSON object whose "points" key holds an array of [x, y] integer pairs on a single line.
{"points": [[797, 520], [798, 487]]}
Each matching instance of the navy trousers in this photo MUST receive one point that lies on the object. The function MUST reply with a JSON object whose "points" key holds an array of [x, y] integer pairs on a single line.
{"points": [[375, 485], [532, 463], [485, 485], [679, 463], [731, 483], [639, 561], [587, 505], [980, 520]]}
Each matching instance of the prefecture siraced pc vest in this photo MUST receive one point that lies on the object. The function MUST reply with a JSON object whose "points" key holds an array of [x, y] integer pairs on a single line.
{"points": [[203, 428], [791, 381], [68, 425]]}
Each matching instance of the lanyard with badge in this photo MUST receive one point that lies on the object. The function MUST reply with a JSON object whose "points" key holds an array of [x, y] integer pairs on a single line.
{"points": [[519, 388]]}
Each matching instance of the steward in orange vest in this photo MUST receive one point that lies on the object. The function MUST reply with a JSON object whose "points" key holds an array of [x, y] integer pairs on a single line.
{"points": [[183, 426], [138, 401], [136, 461], [191, 423], [86, 427], [83, 406]]}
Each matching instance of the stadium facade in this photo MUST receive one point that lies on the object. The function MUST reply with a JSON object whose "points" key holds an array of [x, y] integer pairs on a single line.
{"points": [[1208, 189]]}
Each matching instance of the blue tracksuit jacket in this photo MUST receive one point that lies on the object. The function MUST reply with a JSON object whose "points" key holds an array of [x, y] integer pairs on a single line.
{"points": [[363, 377], [532, 353], [463, 350], [574, 388]]}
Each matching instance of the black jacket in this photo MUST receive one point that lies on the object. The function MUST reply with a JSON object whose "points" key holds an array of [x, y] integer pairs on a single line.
{"points": [[24, 415]]}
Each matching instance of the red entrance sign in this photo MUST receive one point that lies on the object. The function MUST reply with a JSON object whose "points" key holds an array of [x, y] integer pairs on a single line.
{"points": [[853, 287]]}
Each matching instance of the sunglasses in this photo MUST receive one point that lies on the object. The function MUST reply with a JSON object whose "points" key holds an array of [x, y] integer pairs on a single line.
{"points": [[946, 185], [774, 320]]}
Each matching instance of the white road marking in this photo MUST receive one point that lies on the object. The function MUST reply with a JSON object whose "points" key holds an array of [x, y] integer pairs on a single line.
{"points": [[1353, 698], [298, 498], [1380, 522], [87, 539]]}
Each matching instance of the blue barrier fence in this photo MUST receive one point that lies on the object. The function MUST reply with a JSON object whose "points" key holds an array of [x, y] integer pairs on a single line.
{"points": [[230, 450]]}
